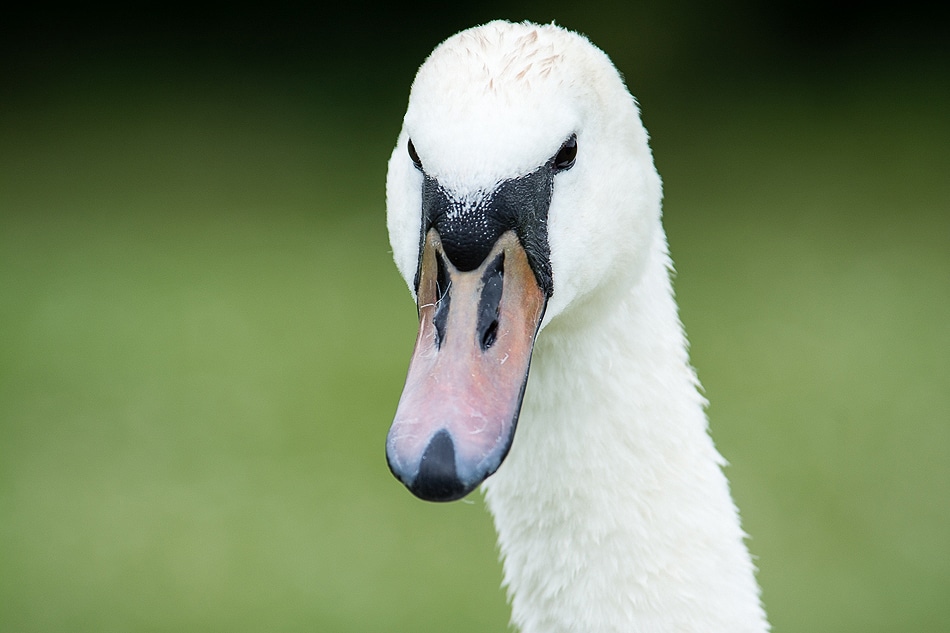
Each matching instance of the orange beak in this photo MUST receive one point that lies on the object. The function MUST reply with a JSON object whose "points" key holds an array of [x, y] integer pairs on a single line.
{"points": [[457, 415]]}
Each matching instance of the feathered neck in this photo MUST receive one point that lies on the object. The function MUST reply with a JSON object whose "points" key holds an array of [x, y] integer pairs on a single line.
{"points": [[612, 511]]}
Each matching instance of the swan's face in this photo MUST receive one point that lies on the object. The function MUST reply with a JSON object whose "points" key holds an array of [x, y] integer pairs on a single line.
{"points": [[520, 183]]}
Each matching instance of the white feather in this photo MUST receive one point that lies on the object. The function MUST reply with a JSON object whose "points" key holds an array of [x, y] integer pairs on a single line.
{"points": [[612, 510]]}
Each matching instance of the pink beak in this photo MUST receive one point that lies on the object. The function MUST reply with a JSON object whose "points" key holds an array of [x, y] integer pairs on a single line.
{"points": [[456, 418]]}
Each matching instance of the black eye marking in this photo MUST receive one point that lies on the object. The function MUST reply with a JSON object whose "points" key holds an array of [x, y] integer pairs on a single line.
{"points": [[565, 157], [413, 156]]}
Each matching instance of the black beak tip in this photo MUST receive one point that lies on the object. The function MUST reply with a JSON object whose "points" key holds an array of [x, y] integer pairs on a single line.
{"points": [[437, 479]]}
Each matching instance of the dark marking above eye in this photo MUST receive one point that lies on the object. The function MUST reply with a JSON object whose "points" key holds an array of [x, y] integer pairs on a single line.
{"points": [[565, 157], [414, 156]]}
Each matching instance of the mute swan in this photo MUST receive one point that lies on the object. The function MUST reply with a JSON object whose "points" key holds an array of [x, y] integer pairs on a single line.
{"points": [[523, 210]]}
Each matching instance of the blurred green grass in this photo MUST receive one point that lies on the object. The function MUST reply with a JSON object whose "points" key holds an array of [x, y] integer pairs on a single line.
{"points": [[203, 338], [814, 272]]}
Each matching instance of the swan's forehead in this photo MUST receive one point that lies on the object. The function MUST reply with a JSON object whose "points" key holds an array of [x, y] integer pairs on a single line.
{"points": [[491, 104]]}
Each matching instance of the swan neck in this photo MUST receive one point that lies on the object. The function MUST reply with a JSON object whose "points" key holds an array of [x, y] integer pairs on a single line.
{"points": [[613, 470]]}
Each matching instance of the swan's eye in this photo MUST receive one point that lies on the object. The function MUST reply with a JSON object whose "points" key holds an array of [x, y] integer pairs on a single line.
{"points": [[413, 156], [567, 154]]}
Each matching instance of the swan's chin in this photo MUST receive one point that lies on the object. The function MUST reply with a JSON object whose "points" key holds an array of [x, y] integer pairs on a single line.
{"points": [[458, 411]]}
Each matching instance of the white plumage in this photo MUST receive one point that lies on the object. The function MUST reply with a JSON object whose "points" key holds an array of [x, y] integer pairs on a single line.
{"points": [[611, 508]]}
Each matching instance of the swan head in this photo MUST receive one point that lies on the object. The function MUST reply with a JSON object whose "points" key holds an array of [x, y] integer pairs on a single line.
{"points": [[521, 184]]}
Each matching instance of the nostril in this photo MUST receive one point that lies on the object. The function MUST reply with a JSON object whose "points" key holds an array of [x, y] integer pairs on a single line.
{"points": [[443, 299], [491, 333], [490, 302]]}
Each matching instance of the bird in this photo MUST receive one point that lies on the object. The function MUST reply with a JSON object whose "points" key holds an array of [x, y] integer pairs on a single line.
{"points": [[524, 214]]}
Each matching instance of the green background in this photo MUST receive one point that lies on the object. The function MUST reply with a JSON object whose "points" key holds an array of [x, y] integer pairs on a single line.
{"points": [[203, 337]]}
